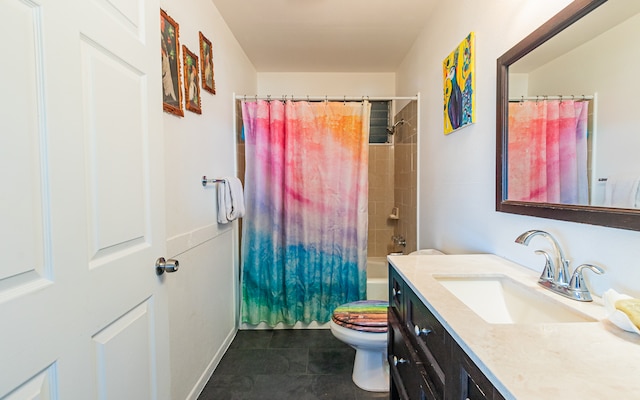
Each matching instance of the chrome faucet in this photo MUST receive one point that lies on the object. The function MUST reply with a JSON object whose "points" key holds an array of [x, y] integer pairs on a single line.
{"points": [[555, 275], [561, 267]]}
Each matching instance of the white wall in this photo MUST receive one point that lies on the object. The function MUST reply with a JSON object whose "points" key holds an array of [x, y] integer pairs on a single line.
{"points": [[202, 294], [278, 84], [457, 181]]}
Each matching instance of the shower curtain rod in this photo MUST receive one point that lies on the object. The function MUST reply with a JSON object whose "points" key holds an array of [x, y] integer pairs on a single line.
{"points": [[321, 98], [561, 97]]}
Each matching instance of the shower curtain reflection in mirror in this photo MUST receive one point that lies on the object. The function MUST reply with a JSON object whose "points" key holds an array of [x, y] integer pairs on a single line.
{"points": [[305, 229], [547, 151]]}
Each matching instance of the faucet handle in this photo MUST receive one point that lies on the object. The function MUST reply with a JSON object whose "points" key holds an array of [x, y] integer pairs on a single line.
{"points": [[577, 280], [548, 273]]}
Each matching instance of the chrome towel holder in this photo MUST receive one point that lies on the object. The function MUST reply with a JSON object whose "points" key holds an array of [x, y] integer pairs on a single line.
{"points": [[205, 180]]}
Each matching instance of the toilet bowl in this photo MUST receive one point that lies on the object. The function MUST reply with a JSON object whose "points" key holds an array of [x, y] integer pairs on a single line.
{"points": [[363, 326]]}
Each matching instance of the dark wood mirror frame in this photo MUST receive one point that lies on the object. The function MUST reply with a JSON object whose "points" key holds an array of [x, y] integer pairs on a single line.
{"points": [[611, 217]]}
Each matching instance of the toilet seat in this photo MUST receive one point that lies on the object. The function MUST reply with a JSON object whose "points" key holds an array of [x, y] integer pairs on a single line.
{"points": [[363, 316]]}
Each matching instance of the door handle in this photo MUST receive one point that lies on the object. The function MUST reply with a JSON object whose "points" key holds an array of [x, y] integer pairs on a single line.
{"points": [[169, 265]]}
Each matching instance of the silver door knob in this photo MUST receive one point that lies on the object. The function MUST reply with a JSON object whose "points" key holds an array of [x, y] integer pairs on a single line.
{"points": [[169, 265]]}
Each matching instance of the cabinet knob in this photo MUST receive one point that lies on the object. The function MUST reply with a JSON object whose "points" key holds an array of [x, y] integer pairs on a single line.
{"points": [[396, 292], [397, 361], [421, 331]]}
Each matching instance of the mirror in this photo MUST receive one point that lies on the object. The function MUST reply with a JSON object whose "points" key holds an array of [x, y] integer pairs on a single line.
{"points": [[568, 125]]}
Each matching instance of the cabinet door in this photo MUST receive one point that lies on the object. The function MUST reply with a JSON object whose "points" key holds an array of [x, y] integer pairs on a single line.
{"points": [[468, 381]]}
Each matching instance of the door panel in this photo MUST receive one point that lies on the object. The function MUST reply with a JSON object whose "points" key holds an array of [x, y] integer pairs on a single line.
{"points": [[124, 353], [21, 148], [39, 387], [115, 103]]}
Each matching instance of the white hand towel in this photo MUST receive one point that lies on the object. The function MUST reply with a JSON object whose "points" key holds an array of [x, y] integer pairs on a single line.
{"points": [[622, 190], [230, 200]]}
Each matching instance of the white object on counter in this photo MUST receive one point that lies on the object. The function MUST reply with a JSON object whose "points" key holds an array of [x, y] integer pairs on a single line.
{"points": [[617, 317]]}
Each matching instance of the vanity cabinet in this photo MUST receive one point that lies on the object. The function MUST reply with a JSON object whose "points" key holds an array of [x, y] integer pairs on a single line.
{"points": [[424, 361], [468, 382]]}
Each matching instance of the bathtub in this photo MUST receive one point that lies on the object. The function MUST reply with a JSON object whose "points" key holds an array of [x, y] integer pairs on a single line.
{"points": [[377, 278], [378, 275]]}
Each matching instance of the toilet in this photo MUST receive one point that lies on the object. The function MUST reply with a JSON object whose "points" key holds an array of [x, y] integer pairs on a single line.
{"points": [[363, 326]]}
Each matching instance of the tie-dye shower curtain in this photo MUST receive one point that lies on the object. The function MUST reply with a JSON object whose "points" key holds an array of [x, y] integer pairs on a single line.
{"points": [[305, 229], [547, 153]]}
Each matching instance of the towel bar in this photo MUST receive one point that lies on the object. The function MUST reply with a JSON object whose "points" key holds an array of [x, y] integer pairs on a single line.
{"points": [[205, 180]]}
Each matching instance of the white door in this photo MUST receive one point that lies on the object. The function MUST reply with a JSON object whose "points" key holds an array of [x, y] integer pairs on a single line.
{"points": [[82, 313]]}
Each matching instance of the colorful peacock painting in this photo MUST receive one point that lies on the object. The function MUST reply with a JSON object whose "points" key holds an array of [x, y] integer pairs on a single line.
{"points": [[459, 86]]}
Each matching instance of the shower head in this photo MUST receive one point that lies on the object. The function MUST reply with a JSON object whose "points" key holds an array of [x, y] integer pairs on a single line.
{"points": [[392, 129]]}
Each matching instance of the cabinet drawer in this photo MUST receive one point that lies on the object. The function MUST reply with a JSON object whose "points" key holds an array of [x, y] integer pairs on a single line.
{"points": [[409, 379], [396, 292], [425, 329]]}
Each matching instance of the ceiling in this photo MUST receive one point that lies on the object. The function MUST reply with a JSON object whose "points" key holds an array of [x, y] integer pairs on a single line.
{"points": [[325, 35]]}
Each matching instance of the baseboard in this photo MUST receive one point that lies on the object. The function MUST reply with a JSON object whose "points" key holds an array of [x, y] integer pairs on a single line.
{"points": [[208, 372]]}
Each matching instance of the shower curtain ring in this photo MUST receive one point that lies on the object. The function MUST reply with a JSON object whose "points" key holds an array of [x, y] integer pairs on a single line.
{"points": [[344, 100]]}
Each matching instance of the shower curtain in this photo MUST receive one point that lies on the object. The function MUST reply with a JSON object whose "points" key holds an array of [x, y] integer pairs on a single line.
{"points": [[547, 151], [305, 229]]}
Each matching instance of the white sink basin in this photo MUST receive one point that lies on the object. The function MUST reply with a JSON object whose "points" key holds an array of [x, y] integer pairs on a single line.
{"points": [[499, 299]]}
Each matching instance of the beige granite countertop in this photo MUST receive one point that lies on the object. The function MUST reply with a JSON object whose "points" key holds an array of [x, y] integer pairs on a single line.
{"points": [[580, 360]]}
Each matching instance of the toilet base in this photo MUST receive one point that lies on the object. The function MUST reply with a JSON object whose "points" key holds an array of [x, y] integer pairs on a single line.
{"points": [[371, 371]]}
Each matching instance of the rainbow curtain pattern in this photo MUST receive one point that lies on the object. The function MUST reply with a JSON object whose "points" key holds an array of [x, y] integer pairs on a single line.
{"points": [[304, 240], [458, 72], [547, 151]]}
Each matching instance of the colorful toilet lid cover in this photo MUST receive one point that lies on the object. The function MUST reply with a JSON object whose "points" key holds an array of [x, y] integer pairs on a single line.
{"points": [[364, 315]]}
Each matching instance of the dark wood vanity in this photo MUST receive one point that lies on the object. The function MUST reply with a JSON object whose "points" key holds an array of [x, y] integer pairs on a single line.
{"points": [[425, 362]]}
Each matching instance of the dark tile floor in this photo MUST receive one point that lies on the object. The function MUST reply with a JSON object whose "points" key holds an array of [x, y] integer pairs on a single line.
{"points": [[286, 364]]}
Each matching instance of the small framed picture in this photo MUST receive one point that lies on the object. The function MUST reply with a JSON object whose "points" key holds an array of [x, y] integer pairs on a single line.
{"points": [[191, 80], [206, 66], [171, 91]]}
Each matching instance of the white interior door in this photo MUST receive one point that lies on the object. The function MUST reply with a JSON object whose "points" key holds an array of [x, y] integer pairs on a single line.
{"points": [[82, 313]]}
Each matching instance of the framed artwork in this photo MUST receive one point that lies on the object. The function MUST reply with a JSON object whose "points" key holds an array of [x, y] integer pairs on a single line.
{"points": [[458, 71], [191, 80], [206, 65], [171, 91]]}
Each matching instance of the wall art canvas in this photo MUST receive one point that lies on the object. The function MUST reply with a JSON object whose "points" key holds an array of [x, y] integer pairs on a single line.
{"points": [[171, 91], [458, 71], [191, 80], [206, 65]]}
